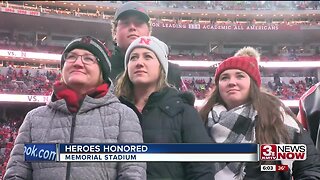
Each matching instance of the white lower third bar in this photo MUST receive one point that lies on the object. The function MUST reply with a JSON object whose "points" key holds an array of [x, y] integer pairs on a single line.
{"points": [[160, 157]]}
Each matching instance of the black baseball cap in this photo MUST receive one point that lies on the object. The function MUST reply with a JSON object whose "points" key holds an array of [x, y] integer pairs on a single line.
{"points": [[131, 8]]}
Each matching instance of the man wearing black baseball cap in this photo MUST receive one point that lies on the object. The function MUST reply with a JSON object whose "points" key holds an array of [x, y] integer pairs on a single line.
{"points": [[131, 21]]}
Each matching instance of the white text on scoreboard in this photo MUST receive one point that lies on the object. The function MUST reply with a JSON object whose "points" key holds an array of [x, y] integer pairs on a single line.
{"points": [[272, 152]]}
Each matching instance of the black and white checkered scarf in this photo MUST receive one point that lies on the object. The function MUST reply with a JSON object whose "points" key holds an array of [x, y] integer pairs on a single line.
{"points": [[238, 126]]}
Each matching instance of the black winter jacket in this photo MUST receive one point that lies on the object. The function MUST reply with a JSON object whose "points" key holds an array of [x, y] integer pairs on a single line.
{"points": [[169, 117], [117, 67]]}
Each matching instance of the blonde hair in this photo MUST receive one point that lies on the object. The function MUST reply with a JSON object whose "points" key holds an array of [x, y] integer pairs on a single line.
{"points": [[250, 52]]}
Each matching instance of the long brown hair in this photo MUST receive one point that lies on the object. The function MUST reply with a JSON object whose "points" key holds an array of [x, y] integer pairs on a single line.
{"points": [[270, 127]]}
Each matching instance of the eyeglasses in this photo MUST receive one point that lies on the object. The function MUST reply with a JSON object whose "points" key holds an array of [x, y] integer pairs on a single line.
{"points": [[86, 59]]}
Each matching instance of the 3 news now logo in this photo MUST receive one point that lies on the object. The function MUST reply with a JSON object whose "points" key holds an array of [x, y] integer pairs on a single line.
{"points": [[273, 152]]}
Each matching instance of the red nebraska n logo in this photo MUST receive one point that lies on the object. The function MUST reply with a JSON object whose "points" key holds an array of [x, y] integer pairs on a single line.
{"points": [[145, 41]]}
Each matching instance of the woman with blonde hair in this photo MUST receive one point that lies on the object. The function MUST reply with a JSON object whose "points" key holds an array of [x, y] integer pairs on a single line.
{"points": [[239, 111], [166, 115], [82, 109]]}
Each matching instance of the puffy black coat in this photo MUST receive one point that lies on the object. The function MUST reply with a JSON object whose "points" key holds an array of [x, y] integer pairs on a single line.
{"points": [[169, 117]]}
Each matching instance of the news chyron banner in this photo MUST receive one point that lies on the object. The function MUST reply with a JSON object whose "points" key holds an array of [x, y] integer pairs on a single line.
{"points": [[142, 152]]}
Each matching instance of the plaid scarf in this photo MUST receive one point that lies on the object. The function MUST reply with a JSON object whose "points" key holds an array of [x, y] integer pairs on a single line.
{"points": [[233, 126], [73, 99], [238, 126]]}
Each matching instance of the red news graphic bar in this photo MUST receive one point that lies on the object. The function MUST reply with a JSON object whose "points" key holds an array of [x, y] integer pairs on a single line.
{"points": [[281, 167]]}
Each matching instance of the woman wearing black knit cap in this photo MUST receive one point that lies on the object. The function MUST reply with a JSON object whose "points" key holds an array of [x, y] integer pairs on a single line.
{"points": [[82, 110]]}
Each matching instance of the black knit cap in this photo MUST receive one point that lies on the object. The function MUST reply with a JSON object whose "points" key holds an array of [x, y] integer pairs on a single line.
{"points": [[96, 48]]}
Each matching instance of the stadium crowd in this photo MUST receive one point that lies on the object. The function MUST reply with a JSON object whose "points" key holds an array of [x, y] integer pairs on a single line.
{"points": [[214, 5], [221, 5], [28, 43], [8, 133], [27, 81], [39, 82], [237, 5], [291, 90]]}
